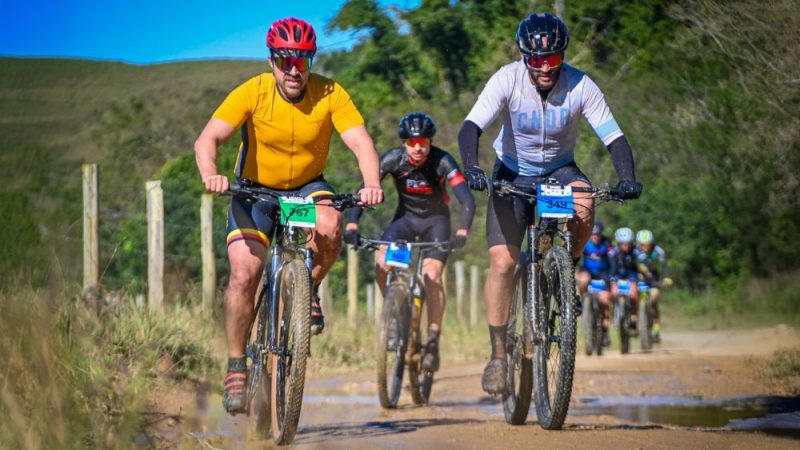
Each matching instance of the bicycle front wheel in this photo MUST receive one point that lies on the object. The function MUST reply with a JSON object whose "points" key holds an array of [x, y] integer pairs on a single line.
{"points": [[517, 399], [554, 356], [293, 337], [645, 323], [391, 344]]}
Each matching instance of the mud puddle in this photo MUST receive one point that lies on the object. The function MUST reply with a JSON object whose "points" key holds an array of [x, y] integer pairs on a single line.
{"points": [[740, 413]]}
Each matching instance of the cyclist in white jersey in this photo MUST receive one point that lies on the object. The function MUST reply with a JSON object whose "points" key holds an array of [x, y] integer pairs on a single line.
{"points": [[540, 99]]}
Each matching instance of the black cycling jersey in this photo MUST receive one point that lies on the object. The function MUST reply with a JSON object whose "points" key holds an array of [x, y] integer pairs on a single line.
{"points": [[421, 190], [624, 265]]}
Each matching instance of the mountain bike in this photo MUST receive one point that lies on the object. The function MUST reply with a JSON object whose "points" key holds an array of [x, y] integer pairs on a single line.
{"points": [[280, 334], [399, 341], [593, 317], [623, 309], [542, 327]]}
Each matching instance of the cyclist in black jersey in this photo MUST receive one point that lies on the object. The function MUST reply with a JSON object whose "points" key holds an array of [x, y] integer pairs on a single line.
{"points": [[420, 171]]}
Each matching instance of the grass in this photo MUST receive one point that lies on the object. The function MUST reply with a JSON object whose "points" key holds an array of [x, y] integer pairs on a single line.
{"points": [[745, 302], [74, 376], [783, 369]]}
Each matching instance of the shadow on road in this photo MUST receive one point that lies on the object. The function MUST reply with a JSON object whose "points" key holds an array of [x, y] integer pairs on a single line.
{"points": [[321, 433]]}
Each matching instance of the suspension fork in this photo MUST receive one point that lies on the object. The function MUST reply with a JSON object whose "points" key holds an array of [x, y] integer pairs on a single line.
{"points": [[274, 295], [533, 284]]}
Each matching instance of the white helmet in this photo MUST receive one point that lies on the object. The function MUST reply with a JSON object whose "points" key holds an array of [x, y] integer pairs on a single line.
{"points": [[623, 235]]}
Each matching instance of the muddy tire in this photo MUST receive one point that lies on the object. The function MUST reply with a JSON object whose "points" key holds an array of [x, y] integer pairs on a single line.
{"points": [[415, 355], [293, 335], [517, 399], [391, 355], [645, 323], [554, 358], [624, 325]]}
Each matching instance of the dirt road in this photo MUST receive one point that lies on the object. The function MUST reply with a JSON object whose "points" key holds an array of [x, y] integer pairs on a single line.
{"points": [[696, 390]]}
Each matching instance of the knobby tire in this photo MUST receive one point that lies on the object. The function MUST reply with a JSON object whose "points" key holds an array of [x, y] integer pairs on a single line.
{"points": [[391, 359], [517, 399], [294, 335], [554, 359]]}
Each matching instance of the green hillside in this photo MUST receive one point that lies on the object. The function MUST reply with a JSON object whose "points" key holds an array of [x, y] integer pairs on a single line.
{"points": [[57, 114]]}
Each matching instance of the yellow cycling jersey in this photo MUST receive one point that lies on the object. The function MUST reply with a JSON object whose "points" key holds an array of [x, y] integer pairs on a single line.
{"points": [[285, 145]]}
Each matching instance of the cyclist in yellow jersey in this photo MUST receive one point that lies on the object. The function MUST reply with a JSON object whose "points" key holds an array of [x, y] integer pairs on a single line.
{"points": [[286, 119]]}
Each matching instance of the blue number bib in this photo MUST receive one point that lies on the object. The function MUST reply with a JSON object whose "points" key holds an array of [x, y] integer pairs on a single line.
{"points": [[624, 287], [596, 286], [554, 201], [398, 256]]}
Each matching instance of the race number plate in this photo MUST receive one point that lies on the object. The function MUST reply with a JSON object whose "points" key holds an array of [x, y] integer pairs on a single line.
{"points": [[554, 201], [596, 286], [398, 256], [298, 212], [643, 287], [624, 287]]}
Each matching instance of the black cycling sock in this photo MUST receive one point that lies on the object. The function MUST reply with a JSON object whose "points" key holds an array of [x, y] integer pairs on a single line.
{"points": [[433, 335], [497, 336], [237, 364]]}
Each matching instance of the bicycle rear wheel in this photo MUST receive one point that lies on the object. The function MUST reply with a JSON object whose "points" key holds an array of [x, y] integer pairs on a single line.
{"points": [[293, 336], [416, 376], [517, 399], [589, 335], [554, 358], [391, 350]]}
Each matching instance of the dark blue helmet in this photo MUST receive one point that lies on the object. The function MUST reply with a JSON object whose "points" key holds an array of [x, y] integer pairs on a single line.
{"points": [[542, 34], [416, 124]]}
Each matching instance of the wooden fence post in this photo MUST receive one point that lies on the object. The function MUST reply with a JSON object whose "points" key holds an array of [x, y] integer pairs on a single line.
{"points": [[91, 239], [378, 303], [155, 244], [460, 290], [325, 300], [207, 250], [370, 302], [474, 282], [352, 285]]}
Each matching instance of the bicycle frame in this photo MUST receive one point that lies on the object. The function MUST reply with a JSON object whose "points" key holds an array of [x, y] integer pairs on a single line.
{"points": [[287, 249]]}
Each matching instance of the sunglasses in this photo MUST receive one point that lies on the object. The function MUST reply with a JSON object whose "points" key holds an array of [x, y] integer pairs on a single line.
{"points": [[537, 61], [285, 63], [414, 141]]}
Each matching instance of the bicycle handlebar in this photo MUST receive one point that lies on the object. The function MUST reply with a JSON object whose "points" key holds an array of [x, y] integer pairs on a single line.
{"points": [[339, 202], [372, 244], [604, 192]]}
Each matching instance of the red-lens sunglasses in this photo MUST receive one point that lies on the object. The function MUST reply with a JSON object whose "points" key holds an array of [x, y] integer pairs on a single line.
{"points": [[414, 141], [537, 61], [285, 63]]}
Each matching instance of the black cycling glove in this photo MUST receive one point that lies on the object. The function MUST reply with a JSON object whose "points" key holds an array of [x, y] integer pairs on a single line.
{"points": [[457, 241], [476, 178], [351, 237], [628, 189]]}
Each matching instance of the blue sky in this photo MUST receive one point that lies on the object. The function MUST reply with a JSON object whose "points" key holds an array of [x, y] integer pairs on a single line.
{"points": [[151, 31]]}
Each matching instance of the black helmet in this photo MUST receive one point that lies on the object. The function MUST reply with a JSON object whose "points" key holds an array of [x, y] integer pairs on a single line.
{"points": [[416, 124], [542, 34]]}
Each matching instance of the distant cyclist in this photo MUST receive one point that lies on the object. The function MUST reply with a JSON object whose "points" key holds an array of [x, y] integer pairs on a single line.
{"points": [[624, 259], [597, 266], [541, 100], [286, 119], [421, 172], [653, 266]]}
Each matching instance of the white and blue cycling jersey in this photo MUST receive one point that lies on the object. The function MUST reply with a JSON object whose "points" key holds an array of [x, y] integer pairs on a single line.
{"points": [[538, 136]]}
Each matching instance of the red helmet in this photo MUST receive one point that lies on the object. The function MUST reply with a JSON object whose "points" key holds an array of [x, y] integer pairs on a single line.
{"points": [[292, 34]]}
